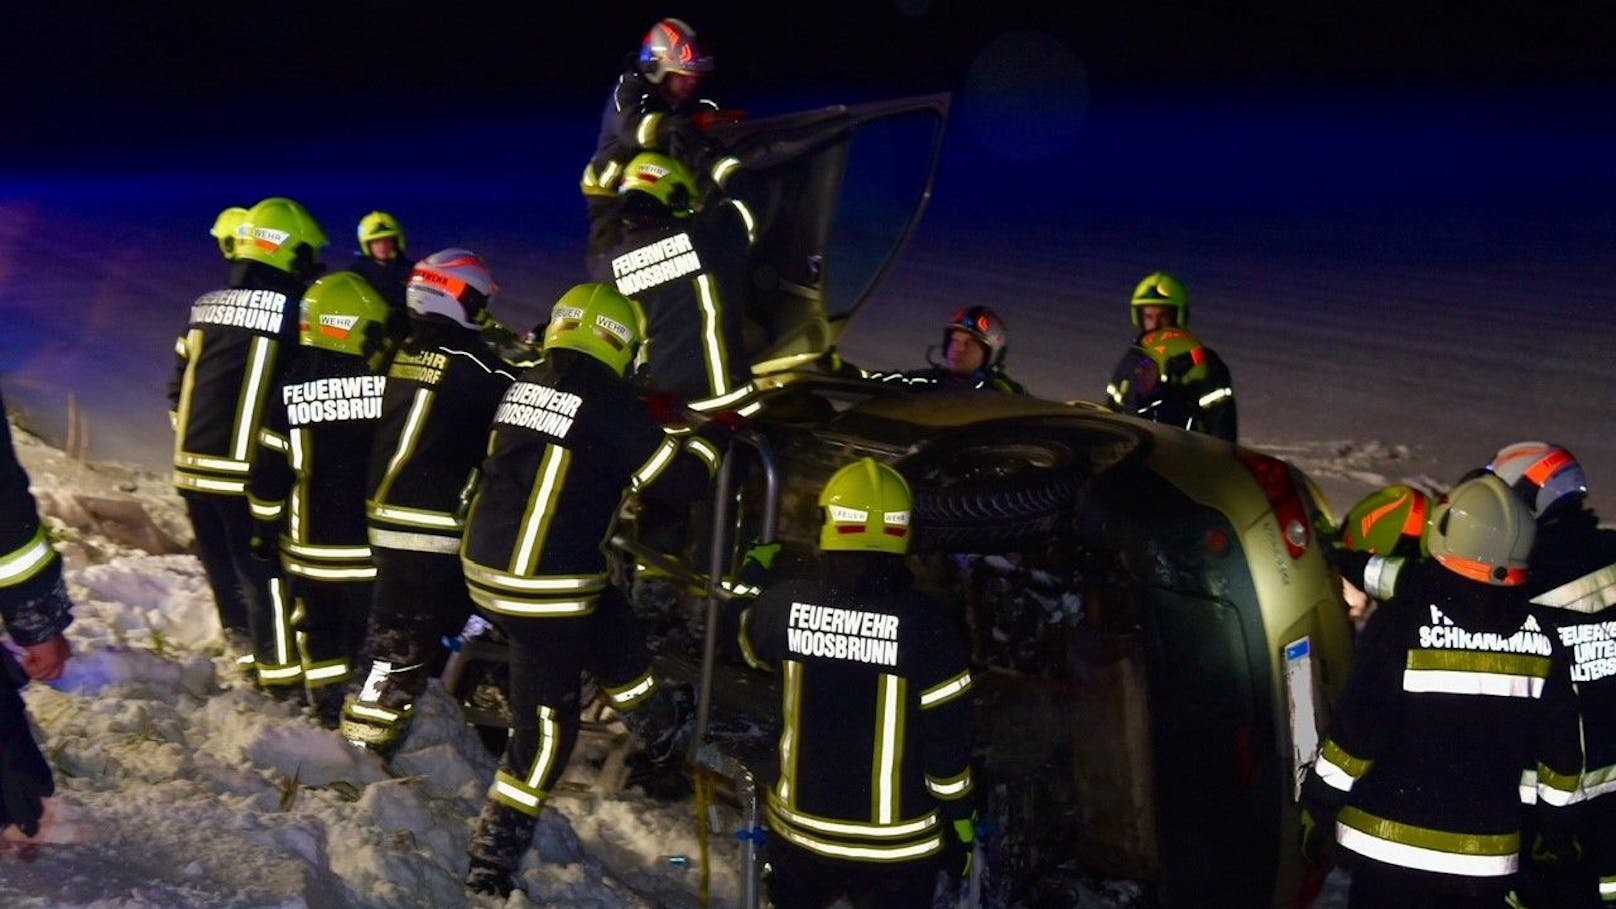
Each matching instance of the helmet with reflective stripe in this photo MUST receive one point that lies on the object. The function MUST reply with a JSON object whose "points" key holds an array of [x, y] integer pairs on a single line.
{"points": [[1542, 474], [341, 312], [282, 234], [1161, 289], [377, 225], [453, 283], [229, 229], [597, 320], [984, 325], [1483, 531], [671, 47], [663, 178], [866, 507], [1388, 522], [1179, 356]]}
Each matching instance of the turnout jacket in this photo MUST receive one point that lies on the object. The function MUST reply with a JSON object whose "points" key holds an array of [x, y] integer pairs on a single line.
{"points": [[1573, 575], [309, 477], [1203, 406], [1458, 710], [226, 364], [442, 388], [876, 715], [569, 441], [689, 275], [635, 118], [33, 602]]}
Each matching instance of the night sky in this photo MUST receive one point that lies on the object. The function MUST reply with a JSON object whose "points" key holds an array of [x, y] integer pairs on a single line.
{"points": [[96, 76]]}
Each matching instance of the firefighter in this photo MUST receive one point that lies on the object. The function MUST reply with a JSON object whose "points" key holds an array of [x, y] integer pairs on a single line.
{"points": [[1573, 576], [874, 790], [570, 439], [1388, 522], [382, 262], [1168, 375], [655, 105], [442, 388], [1458, 686], [34, 611], [975, 342], [231, 354], [307, 488]]}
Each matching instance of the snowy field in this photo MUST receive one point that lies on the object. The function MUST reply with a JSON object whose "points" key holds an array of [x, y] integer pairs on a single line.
{"points": [[1398, 290]]}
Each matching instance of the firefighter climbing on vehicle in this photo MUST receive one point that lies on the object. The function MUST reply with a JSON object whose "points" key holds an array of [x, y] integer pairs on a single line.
{"points": [[569, 440]]}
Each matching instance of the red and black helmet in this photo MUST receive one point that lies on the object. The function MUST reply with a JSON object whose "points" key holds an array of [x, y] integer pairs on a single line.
{"points": [[671, 47], [984, 325]]}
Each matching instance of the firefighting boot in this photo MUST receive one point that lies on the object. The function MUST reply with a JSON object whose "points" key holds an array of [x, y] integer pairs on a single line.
{"points": [[502, 837], [662, 725]]}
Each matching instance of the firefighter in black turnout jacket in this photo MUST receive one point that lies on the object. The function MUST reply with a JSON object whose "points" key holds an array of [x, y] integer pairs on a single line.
{"points": [[569, 441], [655, 105], [442, 388], [228, 361], [875, 777], [307, 488], [35, 610], [1458, 688], [1573, 577], [683, 258]]}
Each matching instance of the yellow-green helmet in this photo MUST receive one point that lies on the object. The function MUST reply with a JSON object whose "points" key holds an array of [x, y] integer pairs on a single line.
{"points": [[1388, 522], [597, 320], [662, 178], [378, 225], [1179, 356], [866, 507], [1483, 531], [1161, 289], [341, 312], [277, 228], [229, 229]]}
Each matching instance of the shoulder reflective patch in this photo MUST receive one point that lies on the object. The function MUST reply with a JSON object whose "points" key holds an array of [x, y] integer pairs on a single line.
{"points": [[1593, 592]]}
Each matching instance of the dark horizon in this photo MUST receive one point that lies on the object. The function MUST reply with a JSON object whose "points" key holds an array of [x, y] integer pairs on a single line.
{"points": [[92, 77]]}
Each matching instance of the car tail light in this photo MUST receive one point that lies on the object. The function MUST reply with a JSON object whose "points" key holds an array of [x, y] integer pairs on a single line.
{"points": [[1274, 476]]}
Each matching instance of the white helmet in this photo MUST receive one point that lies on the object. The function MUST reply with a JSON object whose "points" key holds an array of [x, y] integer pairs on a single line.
{"points": [[1542, 474], [1483, 531], [454, 283]]}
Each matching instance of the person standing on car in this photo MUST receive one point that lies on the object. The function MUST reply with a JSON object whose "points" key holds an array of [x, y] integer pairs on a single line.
{"points": [[34, 611], [1168, 375], [1458, 686], [874, 793], [654, 106], [570, 439], [231, 354], [1573, 577], [307, 488], [442, 389]]}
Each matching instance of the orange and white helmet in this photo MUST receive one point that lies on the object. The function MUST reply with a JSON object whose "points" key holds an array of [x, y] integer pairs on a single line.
{"points": [[1541, 473]]}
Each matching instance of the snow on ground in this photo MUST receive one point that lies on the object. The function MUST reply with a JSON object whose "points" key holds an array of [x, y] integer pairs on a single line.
{"points": [[181, 786]]}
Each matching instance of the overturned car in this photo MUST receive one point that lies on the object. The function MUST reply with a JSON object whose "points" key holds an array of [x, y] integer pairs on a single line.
{"points": [[1156, 636]]}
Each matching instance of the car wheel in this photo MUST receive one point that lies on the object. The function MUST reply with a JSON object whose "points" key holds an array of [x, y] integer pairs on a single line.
{"points": [[993, 496]]}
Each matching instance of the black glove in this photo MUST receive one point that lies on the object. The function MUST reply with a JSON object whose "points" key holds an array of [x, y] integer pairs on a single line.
{"points": [[718, 432], [1316, 837], [25, 778]]}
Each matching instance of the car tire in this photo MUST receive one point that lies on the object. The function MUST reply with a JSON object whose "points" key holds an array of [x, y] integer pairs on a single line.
{"points": [[993, 497]]}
